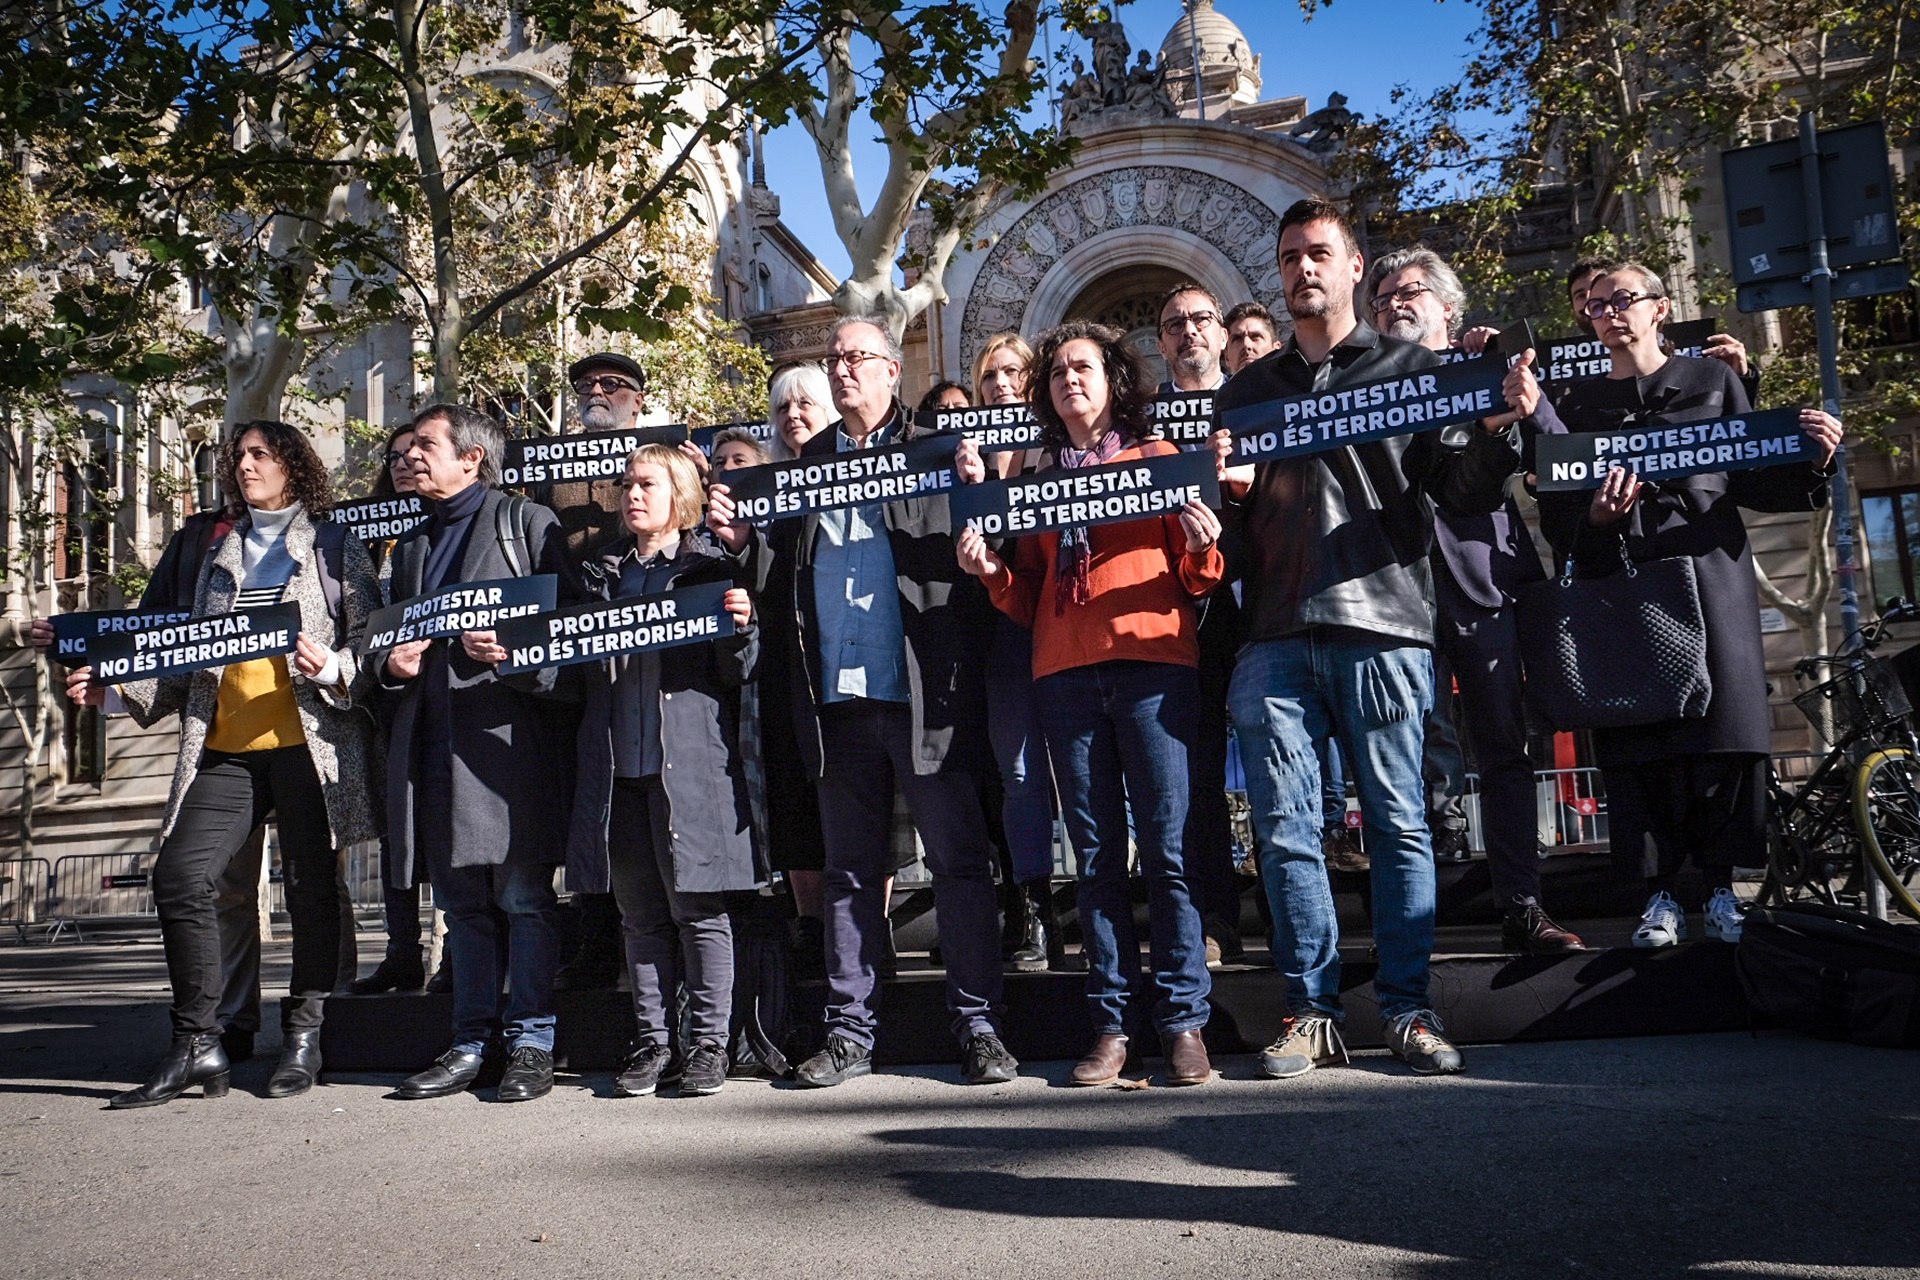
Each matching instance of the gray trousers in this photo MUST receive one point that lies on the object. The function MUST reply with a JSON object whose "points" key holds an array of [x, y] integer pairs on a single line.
{"points": [[672, 937]]}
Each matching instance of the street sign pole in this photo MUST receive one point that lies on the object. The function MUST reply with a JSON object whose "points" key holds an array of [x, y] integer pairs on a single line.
{"points": [[1820, 278]]}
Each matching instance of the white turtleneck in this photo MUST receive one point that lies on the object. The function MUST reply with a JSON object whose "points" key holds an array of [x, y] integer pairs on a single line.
{"points": [[265, 567]]}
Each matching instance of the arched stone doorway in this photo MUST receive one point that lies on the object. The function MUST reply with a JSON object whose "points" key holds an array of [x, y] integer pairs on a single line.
{"points": [[1128, 299]]}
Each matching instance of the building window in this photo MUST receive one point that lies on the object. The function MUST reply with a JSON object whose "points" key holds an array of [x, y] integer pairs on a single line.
{"points": [[1891, 527], [83, 741], [206, 479]]}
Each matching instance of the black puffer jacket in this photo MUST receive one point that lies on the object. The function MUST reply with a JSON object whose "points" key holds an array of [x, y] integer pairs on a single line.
{"points": [[1340, 538]]}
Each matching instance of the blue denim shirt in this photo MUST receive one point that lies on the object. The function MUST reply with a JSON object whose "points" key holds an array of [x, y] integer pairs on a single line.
{"points": [[863, 647], [635, 722]]}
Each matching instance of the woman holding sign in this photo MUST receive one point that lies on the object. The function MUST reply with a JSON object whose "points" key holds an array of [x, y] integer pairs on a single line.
{"points": [[1690, 784], [661, 805], [281, 736], [1115, 648]]}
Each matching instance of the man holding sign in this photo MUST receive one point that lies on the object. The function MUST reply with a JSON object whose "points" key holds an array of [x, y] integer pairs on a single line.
{"points": [[867, 602], [477, 783], [1340, 634]]}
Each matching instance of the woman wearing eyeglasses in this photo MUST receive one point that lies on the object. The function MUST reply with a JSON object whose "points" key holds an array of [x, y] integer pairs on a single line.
{"points": [[1115, 651], [1687, 785]]}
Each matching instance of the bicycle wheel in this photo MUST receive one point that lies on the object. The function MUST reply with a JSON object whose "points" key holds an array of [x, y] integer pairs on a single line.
{"points": [[1886, 809]]}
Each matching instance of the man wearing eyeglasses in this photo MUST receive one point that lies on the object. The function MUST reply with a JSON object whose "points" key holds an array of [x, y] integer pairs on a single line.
{"points": [[1479, 563], [869, 602], [1192, 338], [1339, 642]]}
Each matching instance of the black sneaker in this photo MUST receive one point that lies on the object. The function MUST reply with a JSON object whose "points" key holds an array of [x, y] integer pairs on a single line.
{"points": [[986, 1061], [706, 1070], [838, 1061], [648, 1066]]}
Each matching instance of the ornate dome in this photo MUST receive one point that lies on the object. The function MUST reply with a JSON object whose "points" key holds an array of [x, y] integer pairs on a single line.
{"points": [[1222, 44]]}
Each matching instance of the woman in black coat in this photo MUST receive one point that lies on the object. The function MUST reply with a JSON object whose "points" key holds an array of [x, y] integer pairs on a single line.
{"points": [[662, 810], [1685, 785]]}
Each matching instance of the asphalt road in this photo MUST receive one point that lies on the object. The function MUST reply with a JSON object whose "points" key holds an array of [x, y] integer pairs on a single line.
{"points": [[1708, 1155]]}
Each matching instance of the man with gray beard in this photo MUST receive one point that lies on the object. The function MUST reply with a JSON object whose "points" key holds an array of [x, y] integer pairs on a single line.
{"points": [[1478, 563]]}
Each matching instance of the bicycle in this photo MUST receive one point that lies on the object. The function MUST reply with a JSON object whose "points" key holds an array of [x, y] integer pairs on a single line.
{"points": [[1858, 812]]}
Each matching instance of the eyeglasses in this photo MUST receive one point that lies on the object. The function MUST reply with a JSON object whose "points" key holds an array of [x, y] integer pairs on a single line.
{"points": [[395, 458], [1405, 293], [604, 382], [1198, 319], [852, 359], [1619, 301]]}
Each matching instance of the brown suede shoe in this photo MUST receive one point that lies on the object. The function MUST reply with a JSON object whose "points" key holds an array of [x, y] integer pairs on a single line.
{"points": [[1103, 1063], [1187, 1061]]}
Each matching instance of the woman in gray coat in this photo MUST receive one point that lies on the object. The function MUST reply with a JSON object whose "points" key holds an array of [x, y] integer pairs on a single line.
{"points": [[282, 736], [661, 807]]}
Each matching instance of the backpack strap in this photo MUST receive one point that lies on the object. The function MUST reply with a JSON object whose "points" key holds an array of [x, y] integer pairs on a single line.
{"points": [[510, 528]]}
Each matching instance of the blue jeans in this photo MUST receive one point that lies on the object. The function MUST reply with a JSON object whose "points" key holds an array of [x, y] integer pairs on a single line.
{"points": [[1119, 734], [1372, 695], [1013, 727], [480, 902]]}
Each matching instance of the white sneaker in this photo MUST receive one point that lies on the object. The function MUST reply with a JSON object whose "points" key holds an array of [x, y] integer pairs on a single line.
{"points": [[1661, 924], [1724, 917]]}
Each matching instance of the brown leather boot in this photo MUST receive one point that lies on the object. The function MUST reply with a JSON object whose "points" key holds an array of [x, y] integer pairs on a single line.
{"points": [[1187, 1061], [1103, 1063]]}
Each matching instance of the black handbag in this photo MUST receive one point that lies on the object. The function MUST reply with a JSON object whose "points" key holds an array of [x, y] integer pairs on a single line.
{"points": [[1629, 648]]}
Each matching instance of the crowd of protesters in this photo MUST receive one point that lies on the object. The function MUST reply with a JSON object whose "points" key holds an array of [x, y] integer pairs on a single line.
{"points": [[894, 686]]}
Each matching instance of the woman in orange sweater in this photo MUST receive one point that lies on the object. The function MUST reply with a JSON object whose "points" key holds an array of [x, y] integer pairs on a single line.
{"points": [[1115, 650]]}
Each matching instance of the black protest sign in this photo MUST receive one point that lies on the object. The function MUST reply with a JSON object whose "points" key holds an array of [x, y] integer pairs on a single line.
{"points": [[1106, 494], [471, 606], [379, 519], [829, 481], [1184, 417], [1581, 460], [604, 628], [1584, 356], [74, 633], [173, 648], [704, 436], [592, 455], [1295, 426], [996, 428]]}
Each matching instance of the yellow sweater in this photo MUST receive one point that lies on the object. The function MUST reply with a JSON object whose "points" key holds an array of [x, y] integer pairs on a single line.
{"points": [[255, 710]]}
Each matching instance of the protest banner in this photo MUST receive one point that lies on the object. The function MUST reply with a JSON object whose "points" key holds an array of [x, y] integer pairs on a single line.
{"points": [[1581, 459], [996, 428], [379, 519], [471, 606], [74, 633], [174, 648], [1106, 494], [1315, 421], [1184, 417], [605, 628], [591, 455], [829, 481], [703, 436]]}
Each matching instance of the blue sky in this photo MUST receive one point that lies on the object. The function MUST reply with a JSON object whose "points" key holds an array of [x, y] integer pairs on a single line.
{"points": [[1361, 48]]}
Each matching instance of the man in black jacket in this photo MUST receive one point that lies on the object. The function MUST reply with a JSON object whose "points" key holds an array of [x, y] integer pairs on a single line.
{"points": [[1339, 617], [886, 637]]}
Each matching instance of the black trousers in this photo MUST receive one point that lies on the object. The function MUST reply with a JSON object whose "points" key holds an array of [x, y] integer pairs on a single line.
{"points": [[229, 797], [1713, 808], [1208, 839]]}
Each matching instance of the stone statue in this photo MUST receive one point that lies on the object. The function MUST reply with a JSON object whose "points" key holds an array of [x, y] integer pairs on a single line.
{"points": [[1147, 88], [1079, 95], [1321, 131], [1110, 50]]}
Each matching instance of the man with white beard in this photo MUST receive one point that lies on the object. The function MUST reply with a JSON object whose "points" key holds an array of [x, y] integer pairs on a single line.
{"points": [[1478, 563]]}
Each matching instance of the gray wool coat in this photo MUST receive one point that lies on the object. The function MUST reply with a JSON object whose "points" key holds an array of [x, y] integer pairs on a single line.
{"points": [[711, 815], [512, 736], [337, 722]]}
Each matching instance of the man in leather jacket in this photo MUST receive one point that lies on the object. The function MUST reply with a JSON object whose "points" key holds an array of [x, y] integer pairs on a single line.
{"points": [[1339, 618]]}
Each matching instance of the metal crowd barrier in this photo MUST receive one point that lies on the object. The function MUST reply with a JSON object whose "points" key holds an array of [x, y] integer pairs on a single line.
{"points": [[98, 886], [23, 894]]}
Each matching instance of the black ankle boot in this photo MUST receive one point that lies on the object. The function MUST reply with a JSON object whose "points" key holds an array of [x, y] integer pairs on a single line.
{"points": [[400, 970], [1039, 929], [190, 1060], [299, 1066]]}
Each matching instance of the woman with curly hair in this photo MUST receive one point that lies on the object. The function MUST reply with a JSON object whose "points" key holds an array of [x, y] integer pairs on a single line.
{"points": [[1115, 651], [280, 736]]}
